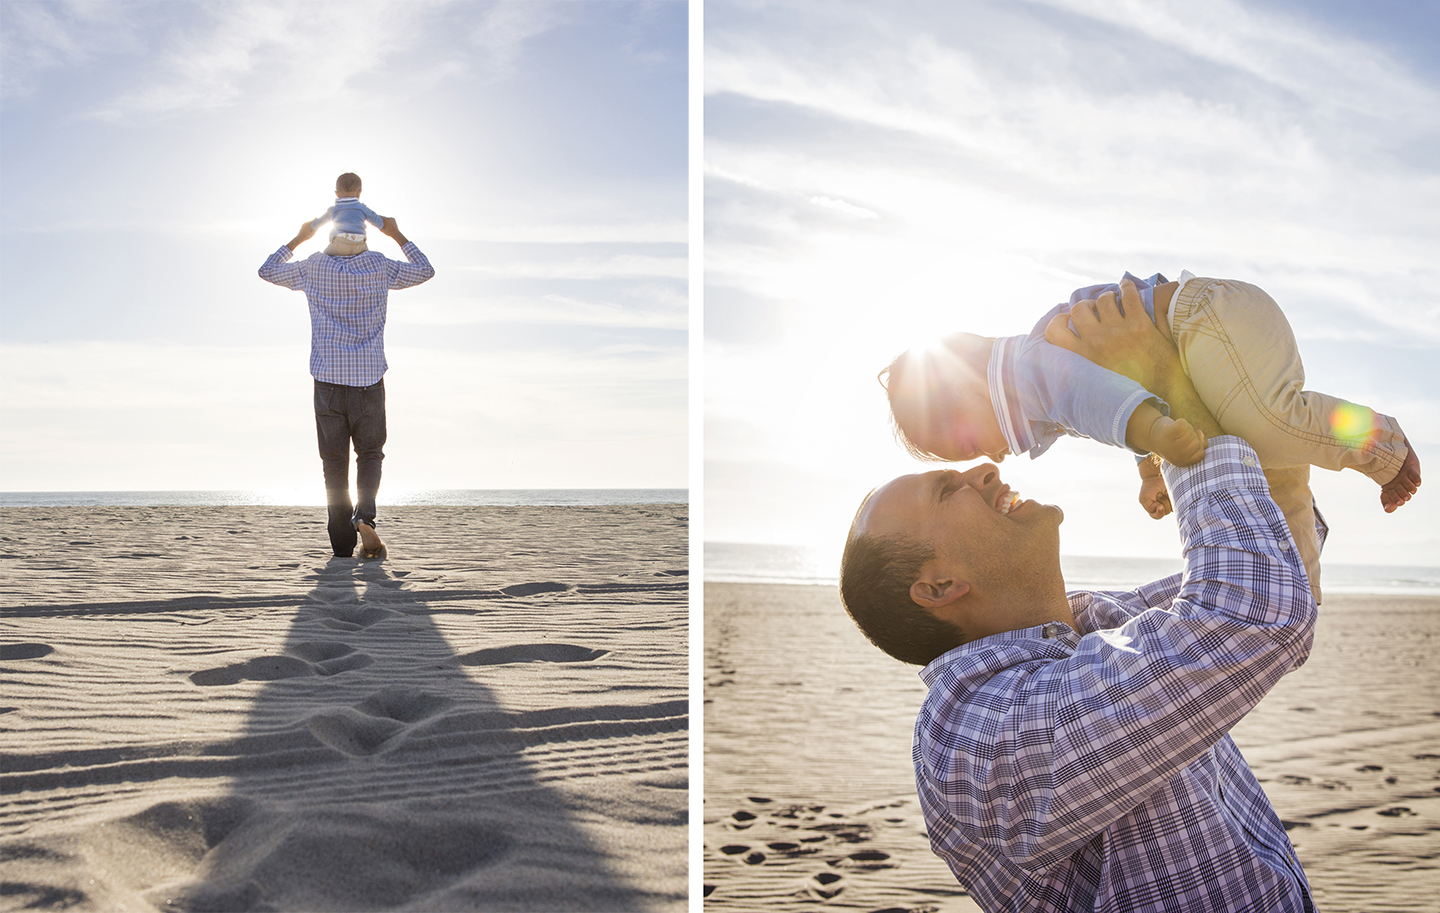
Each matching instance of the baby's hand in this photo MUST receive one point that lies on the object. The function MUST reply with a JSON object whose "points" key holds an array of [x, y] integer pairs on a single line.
{"points": [[1154, 496], [1177, 441]]}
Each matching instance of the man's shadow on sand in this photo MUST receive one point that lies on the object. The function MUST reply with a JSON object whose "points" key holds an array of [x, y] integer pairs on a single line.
{"points": [[374, 773]]}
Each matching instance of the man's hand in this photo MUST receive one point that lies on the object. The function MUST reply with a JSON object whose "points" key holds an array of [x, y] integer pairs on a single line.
{"points": [[393, 230], [304, 234], [1129, 343]]}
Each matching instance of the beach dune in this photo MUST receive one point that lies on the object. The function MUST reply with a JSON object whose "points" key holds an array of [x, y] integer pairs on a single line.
{"points": [[810, 796], [204, 711]]}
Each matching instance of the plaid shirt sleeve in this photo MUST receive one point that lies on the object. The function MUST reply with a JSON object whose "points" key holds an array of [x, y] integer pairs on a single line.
{"points": [[279, 270], [1034, 755], [418, 270]]}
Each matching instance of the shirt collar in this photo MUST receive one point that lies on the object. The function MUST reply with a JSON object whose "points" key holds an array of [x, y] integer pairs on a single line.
{"points": [[1002, 376], [1053, 636], [996, 651]]}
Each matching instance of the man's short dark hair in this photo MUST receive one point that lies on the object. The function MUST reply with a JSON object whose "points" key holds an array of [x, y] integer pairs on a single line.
{"points": [[876, 573], [349, 182]]}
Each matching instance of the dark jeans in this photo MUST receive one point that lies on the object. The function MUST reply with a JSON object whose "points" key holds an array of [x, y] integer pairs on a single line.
{"points": [[342, 415]]}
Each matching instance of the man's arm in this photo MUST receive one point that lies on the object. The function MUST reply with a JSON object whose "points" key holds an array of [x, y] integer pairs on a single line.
{"points": [[279, 270], [306, 232], [404, 275]]}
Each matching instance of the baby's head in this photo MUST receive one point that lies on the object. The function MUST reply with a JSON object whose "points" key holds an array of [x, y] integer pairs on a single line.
{"points": [[940, 400], [347, 185]]}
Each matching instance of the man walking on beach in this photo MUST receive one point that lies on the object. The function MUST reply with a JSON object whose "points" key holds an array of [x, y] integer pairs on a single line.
{"points": [[1072, 752], [348, 297]]}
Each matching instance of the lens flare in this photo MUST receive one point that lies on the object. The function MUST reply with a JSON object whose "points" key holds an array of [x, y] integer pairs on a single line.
{"points": [[1353, 425]]}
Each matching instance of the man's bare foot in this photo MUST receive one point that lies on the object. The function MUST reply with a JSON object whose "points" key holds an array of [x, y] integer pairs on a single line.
{"points": [[1401, 488], [370, 545]]}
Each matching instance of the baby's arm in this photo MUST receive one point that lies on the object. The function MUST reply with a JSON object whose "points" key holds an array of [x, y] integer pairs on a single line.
{"points": [[1173, 439], [325, 217], [1154, 496], [370, 216]]}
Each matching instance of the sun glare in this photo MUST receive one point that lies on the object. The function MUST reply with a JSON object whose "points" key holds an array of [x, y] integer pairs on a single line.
{"points": [[1353, 425]]}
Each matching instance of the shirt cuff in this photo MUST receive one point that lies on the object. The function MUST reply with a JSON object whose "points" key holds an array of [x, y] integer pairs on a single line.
{"points": [[1229, 464], [284, 253]]}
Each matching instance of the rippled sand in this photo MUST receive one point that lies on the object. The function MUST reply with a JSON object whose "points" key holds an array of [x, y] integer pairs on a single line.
{"points": [[809, 792], [203, 711]]}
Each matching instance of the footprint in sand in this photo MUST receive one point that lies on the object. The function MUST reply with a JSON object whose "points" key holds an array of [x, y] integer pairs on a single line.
{"points": [[741, 819], [342, 617], [25, 651], [531, 589], [531, 653], [368, 727], [311, 658], [743, 853], [865, 861], [251, 851], [825, 885]]}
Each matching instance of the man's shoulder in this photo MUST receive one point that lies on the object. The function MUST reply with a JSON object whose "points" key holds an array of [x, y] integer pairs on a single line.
{"points": [[970, 665]]}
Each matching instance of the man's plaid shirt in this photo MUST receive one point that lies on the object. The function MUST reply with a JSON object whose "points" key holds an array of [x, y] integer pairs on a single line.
{"points": [[347, 298], [1093, 770]]}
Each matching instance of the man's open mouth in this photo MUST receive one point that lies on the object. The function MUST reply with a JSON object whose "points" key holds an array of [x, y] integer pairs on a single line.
{"points": [[1007, 502]]}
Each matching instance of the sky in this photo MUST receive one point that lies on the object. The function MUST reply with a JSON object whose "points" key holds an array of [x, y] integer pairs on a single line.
{"points": [[152, 155], [876, 175]]}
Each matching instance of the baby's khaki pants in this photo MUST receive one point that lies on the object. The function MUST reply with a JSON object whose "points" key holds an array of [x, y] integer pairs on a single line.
{"points": [[1240, 353]]}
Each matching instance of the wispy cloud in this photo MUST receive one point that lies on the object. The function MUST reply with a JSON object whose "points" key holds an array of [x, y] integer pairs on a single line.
{"points": [[302, 51], [1254, 118], [503, 30], [618, 265], [37, 37], [645, 307], [207, 56], [1327, 69]]}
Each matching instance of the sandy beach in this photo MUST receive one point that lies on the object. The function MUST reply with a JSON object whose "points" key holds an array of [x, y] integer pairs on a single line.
{"points": [[202, 710], [809, 792]]}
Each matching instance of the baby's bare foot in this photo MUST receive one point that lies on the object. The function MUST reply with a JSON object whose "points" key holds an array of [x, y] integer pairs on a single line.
{"points": [[370, 545], [1401, 488], [1177, 441]]}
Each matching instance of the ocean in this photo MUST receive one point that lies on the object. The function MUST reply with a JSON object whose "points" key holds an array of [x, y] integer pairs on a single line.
{"points": [[430, 497], [743, 562]]}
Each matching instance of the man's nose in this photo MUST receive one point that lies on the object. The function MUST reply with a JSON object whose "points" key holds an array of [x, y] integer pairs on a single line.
{"points": [[982, 476]]}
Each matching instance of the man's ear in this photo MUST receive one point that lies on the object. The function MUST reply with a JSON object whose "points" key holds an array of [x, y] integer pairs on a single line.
{"points": [[935, 590]]}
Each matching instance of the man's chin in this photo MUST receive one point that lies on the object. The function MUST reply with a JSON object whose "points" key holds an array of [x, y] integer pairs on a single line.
{"points": [[1035, 510]]}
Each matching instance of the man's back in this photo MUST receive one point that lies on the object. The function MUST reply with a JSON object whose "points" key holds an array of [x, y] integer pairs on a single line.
{"points": [[348, 299]]}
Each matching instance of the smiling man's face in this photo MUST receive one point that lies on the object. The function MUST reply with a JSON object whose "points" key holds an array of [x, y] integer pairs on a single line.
{"points": [[1005, 550]]}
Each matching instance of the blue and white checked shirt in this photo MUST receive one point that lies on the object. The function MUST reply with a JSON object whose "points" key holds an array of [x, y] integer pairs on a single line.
{"points": [[1093, 770], [348, 297]]}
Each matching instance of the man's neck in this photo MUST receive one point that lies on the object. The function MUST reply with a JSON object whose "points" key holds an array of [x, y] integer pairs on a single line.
{"points": [[1017, 609]]}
